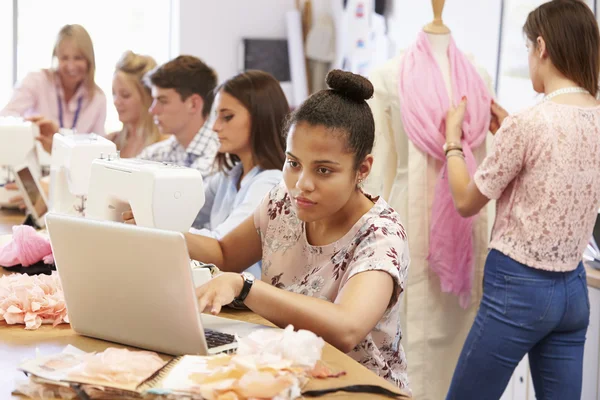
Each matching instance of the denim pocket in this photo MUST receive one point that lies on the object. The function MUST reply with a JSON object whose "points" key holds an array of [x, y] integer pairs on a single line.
{"points": [[527, 300]]}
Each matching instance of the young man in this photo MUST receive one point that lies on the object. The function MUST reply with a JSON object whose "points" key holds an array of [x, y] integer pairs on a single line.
{"points": [[183, 95], [182, 92]]}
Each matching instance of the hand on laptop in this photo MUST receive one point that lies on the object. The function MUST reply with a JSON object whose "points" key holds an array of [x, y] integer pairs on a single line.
{"points": [[218, 292], [128, 217]]}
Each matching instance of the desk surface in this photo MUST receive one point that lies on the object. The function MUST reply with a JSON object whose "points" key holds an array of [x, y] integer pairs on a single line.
{"points": [[17, 345], [593, 277], [8, 218]]}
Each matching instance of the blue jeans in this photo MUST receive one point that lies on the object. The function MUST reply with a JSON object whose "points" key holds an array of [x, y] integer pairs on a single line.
{"points": [[525, 311]]}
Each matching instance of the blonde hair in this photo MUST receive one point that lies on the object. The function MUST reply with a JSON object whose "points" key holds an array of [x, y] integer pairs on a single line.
{"points": [[83, 41], [134, 67]]}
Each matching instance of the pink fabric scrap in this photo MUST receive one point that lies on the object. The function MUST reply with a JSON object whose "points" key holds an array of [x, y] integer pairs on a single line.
{"points": [[26, 248], [424, 105], [118, 366], [32, 300]]}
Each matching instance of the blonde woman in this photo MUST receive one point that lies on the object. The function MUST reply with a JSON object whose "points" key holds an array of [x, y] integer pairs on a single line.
{"points": [[132, 99], [65, 94]]}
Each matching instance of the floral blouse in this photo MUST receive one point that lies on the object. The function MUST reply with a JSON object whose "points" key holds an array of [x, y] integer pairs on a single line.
{"points": [[376, 242]]}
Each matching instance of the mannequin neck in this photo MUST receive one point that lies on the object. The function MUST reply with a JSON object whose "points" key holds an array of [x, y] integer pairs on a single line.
{"points": [[439, 43], [437, 26], [439, 48]]}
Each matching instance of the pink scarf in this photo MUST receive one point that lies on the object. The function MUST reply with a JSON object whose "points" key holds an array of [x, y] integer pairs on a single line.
{"points": [[424, 104]]}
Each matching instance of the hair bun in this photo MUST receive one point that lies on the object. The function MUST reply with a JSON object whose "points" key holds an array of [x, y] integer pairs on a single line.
{"points": [[134, 63], [353, 86]]}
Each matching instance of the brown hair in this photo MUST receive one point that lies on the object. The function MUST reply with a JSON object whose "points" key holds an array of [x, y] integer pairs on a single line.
{"points": [[343, 109], [83, 41], [570, 31], [134, 67], [187, 75], [260, 93]]}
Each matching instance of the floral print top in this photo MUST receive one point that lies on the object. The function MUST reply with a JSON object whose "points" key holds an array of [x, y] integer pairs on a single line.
{"points": [[376, 242]]}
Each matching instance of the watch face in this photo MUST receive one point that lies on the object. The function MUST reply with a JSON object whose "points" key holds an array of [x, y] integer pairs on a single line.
{"points": [[248, 276]]}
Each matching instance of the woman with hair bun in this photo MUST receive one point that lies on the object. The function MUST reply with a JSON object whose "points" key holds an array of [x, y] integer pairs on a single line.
{"points": [[132, 99], [325, 245]]}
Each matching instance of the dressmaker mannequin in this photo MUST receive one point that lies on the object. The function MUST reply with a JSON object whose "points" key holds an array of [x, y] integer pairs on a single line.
{"points": [[434, 325], [437, 27]]}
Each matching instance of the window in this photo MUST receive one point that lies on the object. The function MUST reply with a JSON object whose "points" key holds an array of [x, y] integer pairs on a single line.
{"points": [[514, 87], [114, 25], [6, 48]]}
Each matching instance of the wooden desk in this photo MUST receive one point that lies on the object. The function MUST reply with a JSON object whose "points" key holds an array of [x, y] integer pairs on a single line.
{"points": [[8, 218], [18, 344], [593, 276]]}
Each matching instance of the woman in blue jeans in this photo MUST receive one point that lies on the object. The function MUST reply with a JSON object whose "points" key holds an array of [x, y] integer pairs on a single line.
{"points": [[544, 173]]}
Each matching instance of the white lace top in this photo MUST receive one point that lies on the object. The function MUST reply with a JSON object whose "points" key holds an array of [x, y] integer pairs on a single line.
{"points": [[545, 172]]}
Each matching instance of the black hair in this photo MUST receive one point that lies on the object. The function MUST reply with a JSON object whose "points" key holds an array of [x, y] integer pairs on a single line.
{"points": [[187, 75], [261, 94], [342, 108]]}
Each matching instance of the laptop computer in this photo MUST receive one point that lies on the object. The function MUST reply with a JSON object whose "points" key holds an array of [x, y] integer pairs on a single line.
{"points": [[32, 193], [133, 285]]}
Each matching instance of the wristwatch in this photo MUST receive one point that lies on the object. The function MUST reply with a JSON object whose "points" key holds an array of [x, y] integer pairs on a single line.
{"points": [[248, 282]]}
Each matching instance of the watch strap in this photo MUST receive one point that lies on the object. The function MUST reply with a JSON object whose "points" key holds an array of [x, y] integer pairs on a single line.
{"points": [[248, 282]]}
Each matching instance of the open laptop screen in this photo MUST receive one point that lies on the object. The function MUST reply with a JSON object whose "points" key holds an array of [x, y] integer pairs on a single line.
{"points": [[34, 200]]}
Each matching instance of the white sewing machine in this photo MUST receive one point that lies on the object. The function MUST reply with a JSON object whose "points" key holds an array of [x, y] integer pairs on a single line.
{"points": [[70, 169], [17, 149], [161, 195]]}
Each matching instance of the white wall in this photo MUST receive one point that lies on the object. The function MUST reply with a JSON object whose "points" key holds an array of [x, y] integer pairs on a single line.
{"points": [[213, 29], [475, 25]]}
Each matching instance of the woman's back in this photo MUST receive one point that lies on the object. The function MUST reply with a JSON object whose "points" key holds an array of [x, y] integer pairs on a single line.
{"points": [[547, 161]]}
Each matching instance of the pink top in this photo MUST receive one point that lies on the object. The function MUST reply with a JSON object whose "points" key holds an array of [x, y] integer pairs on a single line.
{"points": [[376, 242], [37, 94], [545, 172]]}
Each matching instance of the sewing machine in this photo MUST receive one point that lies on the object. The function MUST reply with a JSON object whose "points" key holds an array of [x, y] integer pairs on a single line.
{"points": [[17, 149], [161, 195], [70, 169]]}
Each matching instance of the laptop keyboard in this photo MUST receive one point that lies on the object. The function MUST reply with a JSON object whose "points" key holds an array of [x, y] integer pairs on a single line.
{"points": [[216, 339]]}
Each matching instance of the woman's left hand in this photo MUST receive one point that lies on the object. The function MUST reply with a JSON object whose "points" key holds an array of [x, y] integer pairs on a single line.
{"points": [[128, 217], [219, 291], [454, 121], [47, 130]]}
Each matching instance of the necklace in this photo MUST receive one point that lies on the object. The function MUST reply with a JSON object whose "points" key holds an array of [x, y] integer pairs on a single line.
{"points": [[573, 89]]}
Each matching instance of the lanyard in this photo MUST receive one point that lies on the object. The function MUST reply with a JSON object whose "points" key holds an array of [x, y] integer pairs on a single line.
{"points": [[60, 111]]}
